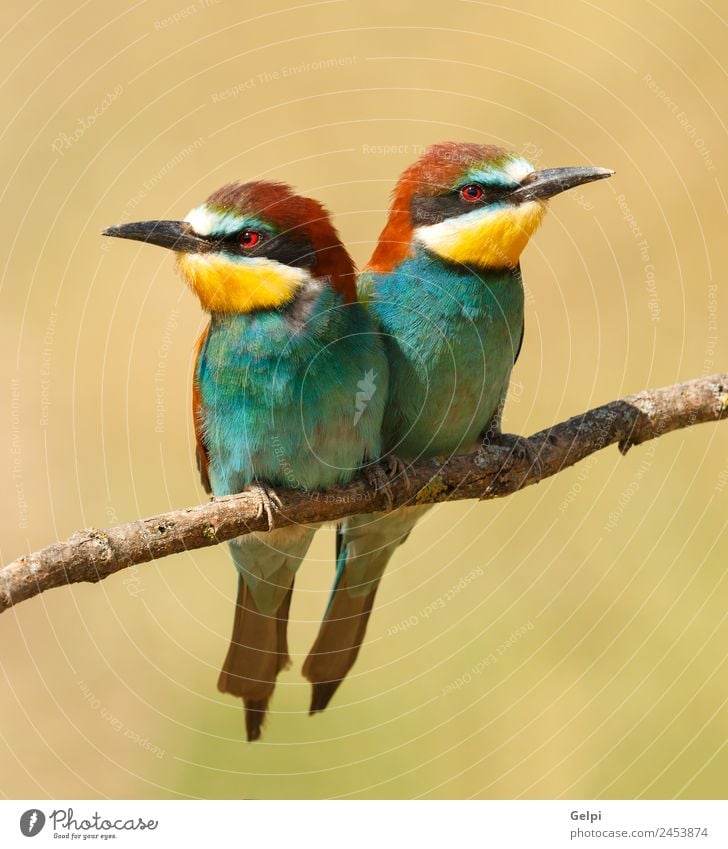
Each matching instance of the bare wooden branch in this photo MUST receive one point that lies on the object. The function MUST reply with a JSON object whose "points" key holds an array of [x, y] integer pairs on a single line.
{"points": [[492, 472]]}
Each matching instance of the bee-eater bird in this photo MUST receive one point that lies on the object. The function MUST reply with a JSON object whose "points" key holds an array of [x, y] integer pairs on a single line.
{"points": [[277, 392], [444, 285]]}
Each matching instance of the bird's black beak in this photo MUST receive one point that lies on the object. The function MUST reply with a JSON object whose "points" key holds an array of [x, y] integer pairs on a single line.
{"points": [[176, 235], [539, 185]]}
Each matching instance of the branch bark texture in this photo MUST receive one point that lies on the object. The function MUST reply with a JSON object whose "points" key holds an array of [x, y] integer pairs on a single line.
{"points": [[491, 472]]}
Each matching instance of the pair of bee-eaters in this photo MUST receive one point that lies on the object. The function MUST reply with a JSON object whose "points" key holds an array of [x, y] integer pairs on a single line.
{"points": [[306, 375]]}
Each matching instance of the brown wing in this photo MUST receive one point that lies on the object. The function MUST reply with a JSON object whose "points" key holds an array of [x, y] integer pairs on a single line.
{"points": [[198, 416]]}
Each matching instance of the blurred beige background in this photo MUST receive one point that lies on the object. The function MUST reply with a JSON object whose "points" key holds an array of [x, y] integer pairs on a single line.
{"points": [[601, 594]]}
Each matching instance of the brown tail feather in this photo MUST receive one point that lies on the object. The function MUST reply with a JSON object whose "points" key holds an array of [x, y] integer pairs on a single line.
{"points": [[255, 713], [337, 645], [284, 660], [258, 651]]}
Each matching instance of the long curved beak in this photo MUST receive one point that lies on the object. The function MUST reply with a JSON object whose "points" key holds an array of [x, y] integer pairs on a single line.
{"points": [[175, 235], [539, 185]]}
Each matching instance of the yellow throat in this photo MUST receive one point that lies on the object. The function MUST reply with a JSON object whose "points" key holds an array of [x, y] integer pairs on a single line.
{"points": [[493, 238], [227, 286]]}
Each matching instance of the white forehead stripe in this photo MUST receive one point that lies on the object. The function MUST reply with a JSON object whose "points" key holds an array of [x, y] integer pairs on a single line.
{"points": [[205, 221], [516, 169]]}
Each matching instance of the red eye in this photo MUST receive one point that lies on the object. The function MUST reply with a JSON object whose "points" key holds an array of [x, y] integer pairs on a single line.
{"points": [[249, 238], [471, 192]]}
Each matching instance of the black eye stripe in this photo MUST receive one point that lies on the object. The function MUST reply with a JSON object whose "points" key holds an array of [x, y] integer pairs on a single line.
{"points": [[287, 248], [433, 210], [490, 191]]}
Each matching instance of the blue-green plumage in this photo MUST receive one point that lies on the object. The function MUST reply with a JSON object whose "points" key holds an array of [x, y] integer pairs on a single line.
{"points": [[279, 393], [451, 334]]}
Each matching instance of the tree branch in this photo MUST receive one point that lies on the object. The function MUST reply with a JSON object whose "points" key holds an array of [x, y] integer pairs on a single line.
{"points": [[92, 554]]}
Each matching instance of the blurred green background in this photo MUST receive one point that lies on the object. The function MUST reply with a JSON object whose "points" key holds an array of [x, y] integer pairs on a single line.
{"points": [[586, 655]]}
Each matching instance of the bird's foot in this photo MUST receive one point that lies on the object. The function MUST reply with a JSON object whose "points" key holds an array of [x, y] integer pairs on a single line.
{"points": [[265, 498], [520, 448], [267, 501], [396, 468], [382, 474]]}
